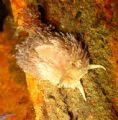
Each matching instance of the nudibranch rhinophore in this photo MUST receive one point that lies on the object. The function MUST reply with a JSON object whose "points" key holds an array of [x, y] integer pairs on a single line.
{"points": [[54, 56]]}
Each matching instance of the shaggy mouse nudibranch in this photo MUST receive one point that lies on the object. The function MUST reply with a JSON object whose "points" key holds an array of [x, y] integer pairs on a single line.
{"points": [[57, 58]]}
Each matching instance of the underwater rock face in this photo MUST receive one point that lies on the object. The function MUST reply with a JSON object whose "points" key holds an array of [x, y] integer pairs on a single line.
{"points": [[39, 56]]}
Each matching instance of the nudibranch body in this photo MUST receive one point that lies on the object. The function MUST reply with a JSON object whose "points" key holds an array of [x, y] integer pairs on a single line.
{"points": [[56, 57]]}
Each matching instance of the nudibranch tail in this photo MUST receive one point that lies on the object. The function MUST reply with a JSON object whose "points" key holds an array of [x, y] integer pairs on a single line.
{"points": [[93, 66]]}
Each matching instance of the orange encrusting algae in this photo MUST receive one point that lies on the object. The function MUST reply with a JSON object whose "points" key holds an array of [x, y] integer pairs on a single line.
{"points": [[14, 97], [35, 94], [113, 44], [17, 6]]}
